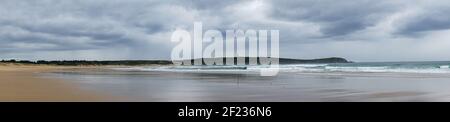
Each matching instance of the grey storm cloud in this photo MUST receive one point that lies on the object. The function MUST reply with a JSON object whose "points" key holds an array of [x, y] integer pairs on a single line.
{"points": [[434, 19], [336, 17], [141, 29]]}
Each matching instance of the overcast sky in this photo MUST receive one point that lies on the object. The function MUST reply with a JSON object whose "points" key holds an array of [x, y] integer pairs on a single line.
{"points": [[359, 30]]}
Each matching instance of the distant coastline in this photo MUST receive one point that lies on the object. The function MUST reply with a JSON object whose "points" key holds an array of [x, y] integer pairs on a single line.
{"points": [[161, 62]]}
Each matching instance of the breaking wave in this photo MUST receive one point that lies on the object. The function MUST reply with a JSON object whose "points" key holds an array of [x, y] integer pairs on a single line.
{"points": [[317, 68]]}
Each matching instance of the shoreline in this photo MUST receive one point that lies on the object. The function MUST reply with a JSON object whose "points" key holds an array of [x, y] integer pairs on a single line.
{"points": [[29, 83], [21, 83]]}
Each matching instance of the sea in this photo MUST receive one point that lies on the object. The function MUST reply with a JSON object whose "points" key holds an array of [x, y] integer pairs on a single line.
{"points": [[364, 81], [365, 67]]}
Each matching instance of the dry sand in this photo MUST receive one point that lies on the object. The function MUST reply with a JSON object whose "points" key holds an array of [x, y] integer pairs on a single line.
{"points": [[21, 83]]}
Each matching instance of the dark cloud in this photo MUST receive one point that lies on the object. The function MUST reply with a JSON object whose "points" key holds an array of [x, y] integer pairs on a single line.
{"points": [[206, 4], [336, 17], [433, 20]]}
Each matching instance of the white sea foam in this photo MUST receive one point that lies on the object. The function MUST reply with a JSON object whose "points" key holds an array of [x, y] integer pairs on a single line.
{"points": [[444, 67], [211, 69], [319, 68], [382, 69]]}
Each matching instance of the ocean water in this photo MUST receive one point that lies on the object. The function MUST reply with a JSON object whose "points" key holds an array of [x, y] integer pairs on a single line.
{"points": [[385, 81], [368, 67]]}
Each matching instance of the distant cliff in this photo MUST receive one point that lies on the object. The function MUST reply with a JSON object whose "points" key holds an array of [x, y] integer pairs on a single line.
{"points": [[165, 62], [91, 63], [317, 61], [288, 60]]}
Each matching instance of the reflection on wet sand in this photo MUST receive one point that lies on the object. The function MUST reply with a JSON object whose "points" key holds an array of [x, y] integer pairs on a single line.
{"points": [[176, 86]]}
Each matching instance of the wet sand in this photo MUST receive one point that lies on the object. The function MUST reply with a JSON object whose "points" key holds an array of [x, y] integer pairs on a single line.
{"points": [[22, 83], [157, 86], [86, 83]]}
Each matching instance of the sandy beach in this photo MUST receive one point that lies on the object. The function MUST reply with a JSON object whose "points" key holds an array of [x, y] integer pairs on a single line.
{"points": [[22, 83], [156, 84]]}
